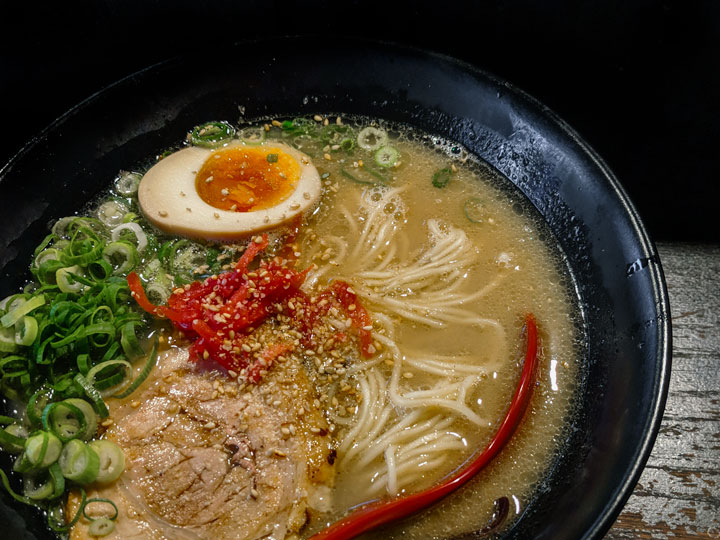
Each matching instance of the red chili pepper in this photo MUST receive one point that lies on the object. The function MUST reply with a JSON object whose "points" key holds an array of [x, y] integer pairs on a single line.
{"points": [[380, 513], [218, 311]]}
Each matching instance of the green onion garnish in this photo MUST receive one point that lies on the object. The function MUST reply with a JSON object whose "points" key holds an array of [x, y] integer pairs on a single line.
{"points": [[441, 178]]}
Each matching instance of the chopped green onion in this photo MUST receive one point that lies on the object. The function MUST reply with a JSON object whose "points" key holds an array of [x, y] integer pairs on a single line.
{"points": [[441, 178], [99, 270], [26, 331], [387, 156], [101, 500], [111, 213], [141, 239], [12, 438], [272, 158], [15, 313], [79, 462], [212, 134], [56, 514], [252, 135], [92, 393], [11, 492], [127, 183], [36, 405], [101, 527], [371, 138], [474, 210], [123, 257], [113, 376], [151, 361], [112, 460], [347, 144], [42, 449], [365, 170], [8, 343], [67, 279], [48, 484], [129, 341], [70, 419]]}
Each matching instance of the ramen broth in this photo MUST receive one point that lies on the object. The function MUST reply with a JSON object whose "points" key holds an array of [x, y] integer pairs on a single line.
{"points": [[515, 259], [448, 259]]}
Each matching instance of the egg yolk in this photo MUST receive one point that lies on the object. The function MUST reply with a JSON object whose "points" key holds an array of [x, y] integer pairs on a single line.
{"points": [[245, 179]]}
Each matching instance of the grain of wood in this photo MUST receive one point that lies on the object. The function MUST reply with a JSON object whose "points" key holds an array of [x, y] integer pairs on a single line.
{"points": [[678, 495]]}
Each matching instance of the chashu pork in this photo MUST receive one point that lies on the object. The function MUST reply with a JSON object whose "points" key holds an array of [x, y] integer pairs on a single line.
{"points": [[206, 459]]}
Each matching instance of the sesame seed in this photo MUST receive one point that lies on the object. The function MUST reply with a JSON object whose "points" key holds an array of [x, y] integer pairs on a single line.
{"points": [[210, 425], [258, 239], [135, 404], [318, 118], [216, 215], [315, 430], [106, 423], [206, 355], [254, 492], [276, 123], [306, 195], [163, 213], [338, 121], [368, 327], [328, 157], [209, 179], [285, 431]]}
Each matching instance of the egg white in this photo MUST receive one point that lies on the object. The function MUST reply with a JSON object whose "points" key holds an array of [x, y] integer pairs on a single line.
{"points": [[169, 200]]}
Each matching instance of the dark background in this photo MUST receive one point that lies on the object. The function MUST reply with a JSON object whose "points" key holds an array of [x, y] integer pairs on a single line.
{"points": [[639, 80]]}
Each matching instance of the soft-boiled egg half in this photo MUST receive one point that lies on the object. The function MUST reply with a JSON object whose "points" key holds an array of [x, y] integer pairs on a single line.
{"points": [[229, 192]]}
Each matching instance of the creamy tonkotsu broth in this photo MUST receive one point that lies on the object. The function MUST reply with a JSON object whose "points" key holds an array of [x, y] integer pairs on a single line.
{"points": [[364, 335], [448, 296]]}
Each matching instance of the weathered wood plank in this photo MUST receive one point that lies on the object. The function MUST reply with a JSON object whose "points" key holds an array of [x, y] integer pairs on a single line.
{"points": [[678, 495]]}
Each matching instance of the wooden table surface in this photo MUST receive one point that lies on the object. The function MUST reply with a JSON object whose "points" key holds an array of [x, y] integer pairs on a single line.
{"points": [[678, 495]]}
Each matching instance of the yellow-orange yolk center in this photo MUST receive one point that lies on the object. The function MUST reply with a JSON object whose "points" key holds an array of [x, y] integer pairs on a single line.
{"points": [[245, 179]]}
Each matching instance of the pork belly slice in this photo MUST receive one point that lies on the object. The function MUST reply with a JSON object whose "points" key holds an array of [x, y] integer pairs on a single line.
{"points": [[205, 460]]}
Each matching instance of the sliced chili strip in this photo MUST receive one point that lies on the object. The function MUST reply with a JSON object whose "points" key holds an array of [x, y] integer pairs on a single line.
{"points": [[379, 513]]}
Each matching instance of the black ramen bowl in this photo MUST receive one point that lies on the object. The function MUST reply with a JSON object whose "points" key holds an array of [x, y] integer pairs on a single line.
{"points": [[617, 272]]}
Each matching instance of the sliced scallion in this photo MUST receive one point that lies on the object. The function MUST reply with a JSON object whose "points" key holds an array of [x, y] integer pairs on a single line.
{"points": [[441, 177], [387, 156], [252, 135], [66, 279], [141, 239], [17, 310], [474, 210], [12, 438], [42, 449], [211, 134], [123, 257], [112, 460], [111, 212], [94, 396], [101, 527], [26, 331], [371, 138], [127, 183], [79, 462]]}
